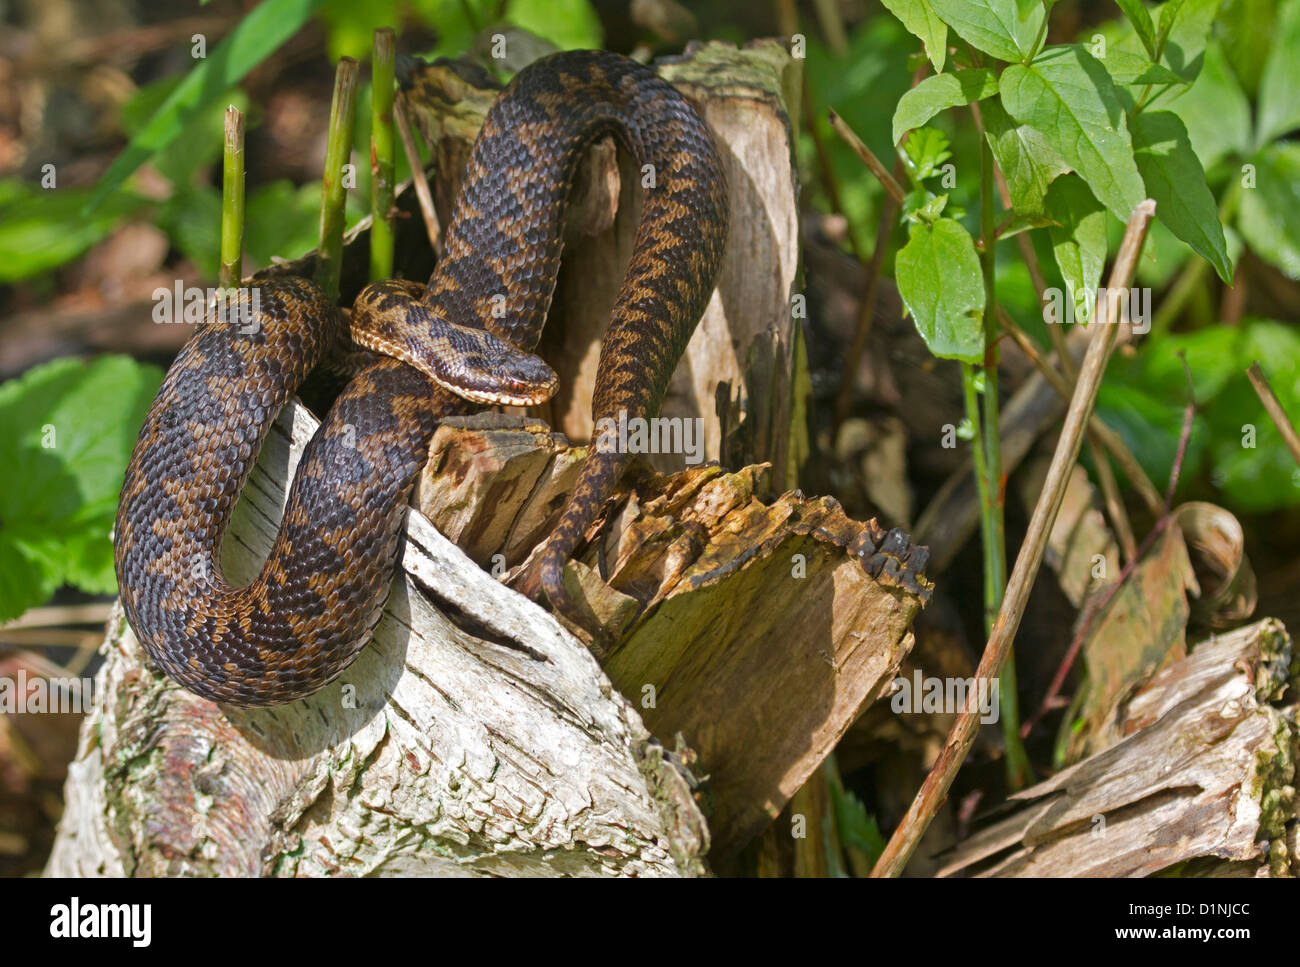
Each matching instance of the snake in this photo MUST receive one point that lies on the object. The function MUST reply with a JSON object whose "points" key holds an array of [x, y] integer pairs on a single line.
{"points": [[416, 354]]}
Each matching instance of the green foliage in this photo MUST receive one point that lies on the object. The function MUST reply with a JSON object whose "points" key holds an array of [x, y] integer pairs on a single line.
{"points": [[66, 433], [1233, 437], [1067, 96], [41, 229], [1270, 212], [1158, 104], [1174, 178], [942, 91], [254, 38], [857, 828], [1078, 238], [921, 20], [998, 27], [938, 276]]}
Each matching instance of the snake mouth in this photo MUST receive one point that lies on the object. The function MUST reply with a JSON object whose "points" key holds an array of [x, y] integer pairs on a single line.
{"points": [[532, 395]]}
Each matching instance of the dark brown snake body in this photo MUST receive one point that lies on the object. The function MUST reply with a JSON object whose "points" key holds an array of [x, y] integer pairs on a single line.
{"points": [[465, 340]]}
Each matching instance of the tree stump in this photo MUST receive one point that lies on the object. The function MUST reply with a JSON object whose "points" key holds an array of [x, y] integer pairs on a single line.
{"points": [[476, 735]]}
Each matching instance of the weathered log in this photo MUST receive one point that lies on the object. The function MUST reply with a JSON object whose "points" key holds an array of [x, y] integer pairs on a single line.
{"points": [[1205, 772]]}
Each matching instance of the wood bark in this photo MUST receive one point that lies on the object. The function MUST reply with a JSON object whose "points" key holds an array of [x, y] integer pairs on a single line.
{"points": [[476, 735], [1203, 780]]}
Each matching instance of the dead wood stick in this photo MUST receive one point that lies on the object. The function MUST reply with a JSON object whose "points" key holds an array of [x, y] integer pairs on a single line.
{"points": [[935, 788], [868, 157], [1097, 429], [1274, 407], [421, 183]]}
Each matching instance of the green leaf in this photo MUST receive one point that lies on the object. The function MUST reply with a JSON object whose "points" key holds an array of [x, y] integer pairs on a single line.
{"points": [[996, 27], [1028, 161], [1140, 18], [925, 151], [1150, 426], [1279, 86], [1263, 477], [1270, 210], [1067, 95], [938, 276], [1174, 178], [41, 229], [200, 142], [856, 827], [254, 38], [1246, 30], [940, 92], [1183, 33], [1078, 240], [66, 433], [1215, 111], [1130, 69], [569, 24], [921, 21]]}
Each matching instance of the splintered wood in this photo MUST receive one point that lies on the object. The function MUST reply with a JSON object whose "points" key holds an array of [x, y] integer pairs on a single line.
{"points": [[1203, 781]]}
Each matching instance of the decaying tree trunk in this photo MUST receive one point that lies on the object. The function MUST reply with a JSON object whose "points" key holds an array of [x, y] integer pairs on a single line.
{"points": [[475, 734], [1204, 776]]}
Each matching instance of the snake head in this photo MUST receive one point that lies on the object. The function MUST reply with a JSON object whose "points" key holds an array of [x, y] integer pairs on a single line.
{"points": [[483, 368], [468, 361]]}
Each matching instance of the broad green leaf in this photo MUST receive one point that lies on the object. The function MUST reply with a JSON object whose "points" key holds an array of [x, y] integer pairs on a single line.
{"points": [[940, 92], [996, 27], [41, 229], [921, 21], [1246, 29], [1270, 211], [938, 276], [1028, 161], [1140, 18], [254, 38], [1279, 87], [569, 24], [1215, 111], [1185, 30], [1078, 239], [66, 433], [1174, 178], [1128, 68], [1067, 95]]}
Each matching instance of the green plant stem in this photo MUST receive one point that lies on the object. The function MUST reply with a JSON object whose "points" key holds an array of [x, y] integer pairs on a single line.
{"points": [[993, 523], [382, 154], [232, 201], [333, 203]]}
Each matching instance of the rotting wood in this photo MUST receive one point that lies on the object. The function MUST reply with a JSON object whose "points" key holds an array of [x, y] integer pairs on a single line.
{"points": [[1206, 770]]}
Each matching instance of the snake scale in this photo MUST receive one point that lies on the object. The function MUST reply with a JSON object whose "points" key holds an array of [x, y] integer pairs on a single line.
{"points": [[464, 340]]}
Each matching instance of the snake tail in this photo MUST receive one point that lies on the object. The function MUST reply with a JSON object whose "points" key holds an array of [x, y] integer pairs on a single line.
{"points": [[503, 246]]}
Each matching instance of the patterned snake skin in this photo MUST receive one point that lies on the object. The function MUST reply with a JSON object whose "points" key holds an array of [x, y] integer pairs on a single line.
{"points": [[464, 340]]}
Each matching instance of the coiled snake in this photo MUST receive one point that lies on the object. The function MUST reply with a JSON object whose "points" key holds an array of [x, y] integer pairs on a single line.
{"points": [[464, 340]]}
